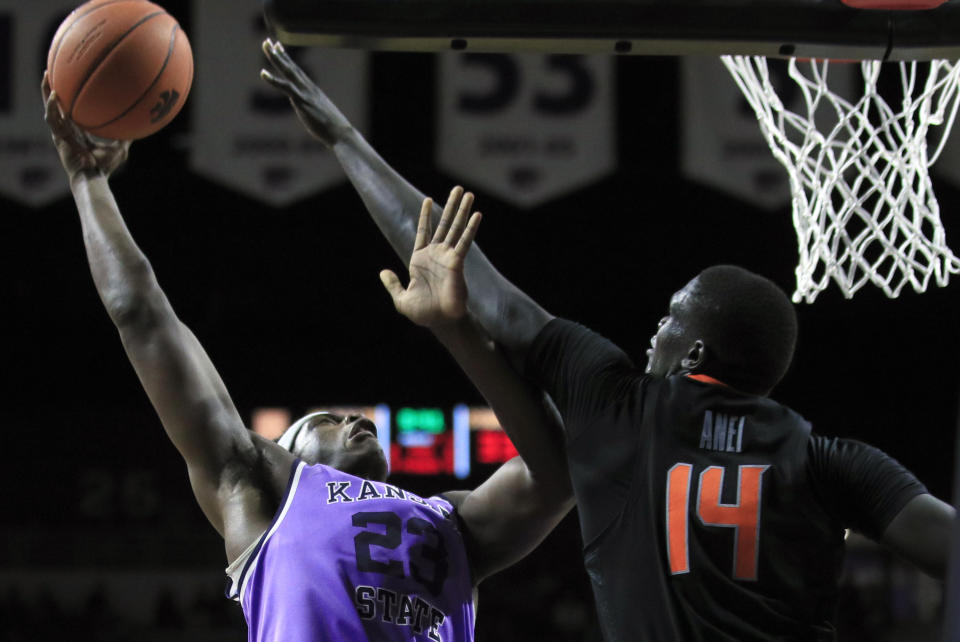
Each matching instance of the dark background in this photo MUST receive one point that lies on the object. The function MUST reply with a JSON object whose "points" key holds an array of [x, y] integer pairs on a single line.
{"points": [[289, 307]]}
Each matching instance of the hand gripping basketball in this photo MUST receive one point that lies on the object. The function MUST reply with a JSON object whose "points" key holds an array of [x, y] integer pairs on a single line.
{"points": [[79, 152], [437, 292], [317, 113]]}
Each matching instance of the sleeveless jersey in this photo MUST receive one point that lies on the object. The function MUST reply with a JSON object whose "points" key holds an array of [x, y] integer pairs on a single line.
{"points": [[351, 559], [707, 514]]}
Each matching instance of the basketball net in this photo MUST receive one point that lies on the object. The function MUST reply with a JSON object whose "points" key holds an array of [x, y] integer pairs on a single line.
{"points": [[863, 204]]}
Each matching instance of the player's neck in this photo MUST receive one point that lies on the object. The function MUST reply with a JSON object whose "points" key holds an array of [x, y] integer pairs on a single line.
{"points": [[707, 379]]}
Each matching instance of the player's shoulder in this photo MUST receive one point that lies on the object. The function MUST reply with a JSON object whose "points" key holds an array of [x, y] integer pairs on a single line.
{"points": [[453, 497], [450, 503], [842, 449], [257, 466], [570, 337], [839, 460]]}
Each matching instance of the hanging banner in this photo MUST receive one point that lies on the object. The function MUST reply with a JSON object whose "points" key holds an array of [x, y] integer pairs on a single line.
{"points": [[722, 143], [30, 171], [526, 127], [245, 133]]}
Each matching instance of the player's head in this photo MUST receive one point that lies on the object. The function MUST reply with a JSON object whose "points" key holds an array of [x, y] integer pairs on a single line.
{"points": [[731, 324], [345, 442]]}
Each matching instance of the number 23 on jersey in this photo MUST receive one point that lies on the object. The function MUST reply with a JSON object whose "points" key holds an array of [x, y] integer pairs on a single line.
{"points": [[743, 516]]}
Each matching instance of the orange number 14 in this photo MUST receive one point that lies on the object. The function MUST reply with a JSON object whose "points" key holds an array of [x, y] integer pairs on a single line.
{"points": [[743, 516]]}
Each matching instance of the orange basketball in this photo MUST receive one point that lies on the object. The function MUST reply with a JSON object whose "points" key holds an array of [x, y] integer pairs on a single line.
{"points": [[121, 68]]}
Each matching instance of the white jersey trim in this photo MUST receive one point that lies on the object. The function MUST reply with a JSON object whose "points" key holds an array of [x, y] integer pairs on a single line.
{"points": [[235, 570], [242, 567]]}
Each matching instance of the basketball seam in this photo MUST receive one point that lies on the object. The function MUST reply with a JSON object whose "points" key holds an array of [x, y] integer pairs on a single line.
{"points": [[56, 52], [166, 61], [105, 53]]}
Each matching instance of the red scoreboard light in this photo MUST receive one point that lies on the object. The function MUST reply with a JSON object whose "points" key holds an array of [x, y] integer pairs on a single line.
{"points": [[433, 459], [492, 446]]}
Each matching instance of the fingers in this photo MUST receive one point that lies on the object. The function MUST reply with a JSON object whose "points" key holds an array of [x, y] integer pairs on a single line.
{"points": [[448, 212], [455, 229], [460, 220], [283, 63], [273, 52], [463, 245], [49, 106], [51, 109], [286, 75], [392, 283], [282, 84], [59, 125], [112, 153], [423, 225], [269, 50], [54, 118]]}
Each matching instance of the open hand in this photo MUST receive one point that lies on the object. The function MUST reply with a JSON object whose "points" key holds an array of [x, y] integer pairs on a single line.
{"points": [[317, 113], [437, 292], [79, 151]]}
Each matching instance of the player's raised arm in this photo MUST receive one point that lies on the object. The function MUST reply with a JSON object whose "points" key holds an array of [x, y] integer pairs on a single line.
{"points": [[510, 513], [511, 317], [181, 382]]}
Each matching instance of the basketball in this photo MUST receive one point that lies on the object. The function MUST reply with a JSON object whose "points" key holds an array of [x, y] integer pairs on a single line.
{"points": [[122, 69]]}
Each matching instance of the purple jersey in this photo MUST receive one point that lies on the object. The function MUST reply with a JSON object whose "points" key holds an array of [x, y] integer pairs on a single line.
{"points": [[351, 559]]}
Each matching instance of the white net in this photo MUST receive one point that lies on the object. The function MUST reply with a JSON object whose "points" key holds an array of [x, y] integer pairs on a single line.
{"points": [[863, 204]]}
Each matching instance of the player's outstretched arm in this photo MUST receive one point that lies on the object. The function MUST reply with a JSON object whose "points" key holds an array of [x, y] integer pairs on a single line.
{"points": [[873, 493], [181, 382], [922, 534], [511, 317], [510, 513]]}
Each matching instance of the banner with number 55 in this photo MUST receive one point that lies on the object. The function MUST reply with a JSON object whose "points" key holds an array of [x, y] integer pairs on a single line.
{"points": [[527, 128]]}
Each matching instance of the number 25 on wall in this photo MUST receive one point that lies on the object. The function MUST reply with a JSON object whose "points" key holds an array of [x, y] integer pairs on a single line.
{"points": [[743, 516]]}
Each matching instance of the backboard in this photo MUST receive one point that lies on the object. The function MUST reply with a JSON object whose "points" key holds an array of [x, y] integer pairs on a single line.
{"points": [[773, 28]]}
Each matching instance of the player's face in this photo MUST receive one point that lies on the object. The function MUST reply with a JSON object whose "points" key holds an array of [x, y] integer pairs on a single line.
{"points": [[348, 443], [674, 337]]}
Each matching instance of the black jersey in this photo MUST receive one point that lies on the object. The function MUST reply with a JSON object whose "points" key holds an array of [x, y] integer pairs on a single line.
{"points": [[706, 514]]}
